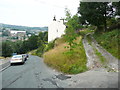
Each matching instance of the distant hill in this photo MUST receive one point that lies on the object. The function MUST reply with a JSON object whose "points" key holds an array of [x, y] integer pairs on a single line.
{"points": [[17, 27]]}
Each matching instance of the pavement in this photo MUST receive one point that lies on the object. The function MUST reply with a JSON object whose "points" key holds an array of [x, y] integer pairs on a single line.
{"points": [[4, 63], [35, 74]]}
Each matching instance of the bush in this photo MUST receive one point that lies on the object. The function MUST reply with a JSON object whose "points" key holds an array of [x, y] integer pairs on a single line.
{"points": [[49, 46], [40, 50], [85, 31]]}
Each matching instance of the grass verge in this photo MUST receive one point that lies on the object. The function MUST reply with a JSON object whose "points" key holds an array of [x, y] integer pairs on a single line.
{"points": [[102, 58], [2, 57], [67, 62]]}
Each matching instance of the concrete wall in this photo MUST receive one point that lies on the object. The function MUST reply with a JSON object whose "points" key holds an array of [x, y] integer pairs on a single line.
{"points": [[55, 30]]}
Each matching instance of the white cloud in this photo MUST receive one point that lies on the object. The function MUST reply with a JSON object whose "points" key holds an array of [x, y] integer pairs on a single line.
{"points": [[34, 12]]}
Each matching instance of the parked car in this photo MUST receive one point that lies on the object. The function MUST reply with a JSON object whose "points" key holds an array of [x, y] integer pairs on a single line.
{"points": [[14, 54], [17, 59], [25, 56]]}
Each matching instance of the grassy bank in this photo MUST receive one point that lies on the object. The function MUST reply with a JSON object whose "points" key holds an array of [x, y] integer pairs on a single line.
{"points": [[68, 62], [2, 57], [110, 41]]}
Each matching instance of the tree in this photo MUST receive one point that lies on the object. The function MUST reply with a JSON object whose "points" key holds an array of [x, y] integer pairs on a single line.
{"points": [[42, 38], [68, 14], [73, 25], [25, 47], [17, 47], [45, 39], [33, 42], [95, 13], [116, 5], [74, 22], [6, 49]]}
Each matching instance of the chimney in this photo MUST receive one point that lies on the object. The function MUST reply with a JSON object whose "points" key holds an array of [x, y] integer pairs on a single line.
{"points": [[54, 19]]}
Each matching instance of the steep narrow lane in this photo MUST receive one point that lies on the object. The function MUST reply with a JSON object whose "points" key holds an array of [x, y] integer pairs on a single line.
{"points": [[33, 74], [112, 61], [97, 76], [92, 59]]}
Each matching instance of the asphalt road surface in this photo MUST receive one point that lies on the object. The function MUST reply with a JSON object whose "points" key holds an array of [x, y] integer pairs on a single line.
{"points": [[35, 74]]}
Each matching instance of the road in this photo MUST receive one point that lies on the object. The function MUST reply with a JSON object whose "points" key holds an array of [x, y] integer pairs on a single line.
{"points": [[35, 74]]}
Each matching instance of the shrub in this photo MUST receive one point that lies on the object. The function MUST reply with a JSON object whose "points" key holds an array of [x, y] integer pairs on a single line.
{"points": [[40, 50], [49, 46]]}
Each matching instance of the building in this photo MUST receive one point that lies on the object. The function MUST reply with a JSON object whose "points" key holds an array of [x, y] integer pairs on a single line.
{"points": [[14, 33], [19, 34], [56, 29]]}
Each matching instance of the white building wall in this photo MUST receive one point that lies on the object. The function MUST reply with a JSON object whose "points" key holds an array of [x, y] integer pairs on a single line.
{"points": [[12, 32], [55, 30]]}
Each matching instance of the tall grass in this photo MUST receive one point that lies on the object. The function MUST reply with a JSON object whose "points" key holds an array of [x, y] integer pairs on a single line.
{"points": [[60, 58], [110, 41]]}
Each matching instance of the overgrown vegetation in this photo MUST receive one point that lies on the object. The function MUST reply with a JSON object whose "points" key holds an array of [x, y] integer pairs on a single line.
{"points": [[97, 16], [49, 46], [68, 54], [85, 31], [110, 41], [66, 61], [106, 17]]}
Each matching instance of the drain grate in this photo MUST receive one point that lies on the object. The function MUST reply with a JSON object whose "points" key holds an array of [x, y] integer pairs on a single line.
{"points": [[62, 77]]}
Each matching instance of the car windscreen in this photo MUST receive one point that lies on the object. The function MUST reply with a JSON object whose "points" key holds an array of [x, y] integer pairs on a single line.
{"points": [[20, 56]]}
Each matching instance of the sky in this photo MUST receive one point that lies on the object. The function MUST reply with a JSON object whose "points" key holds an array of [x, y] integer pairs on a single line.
{"points": [[34, 13]]}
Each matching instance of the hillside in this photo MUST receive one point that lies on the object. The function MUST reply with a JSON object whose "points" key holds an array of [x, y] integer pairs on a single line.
{"points": [[17, 27], [93, 57]]}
